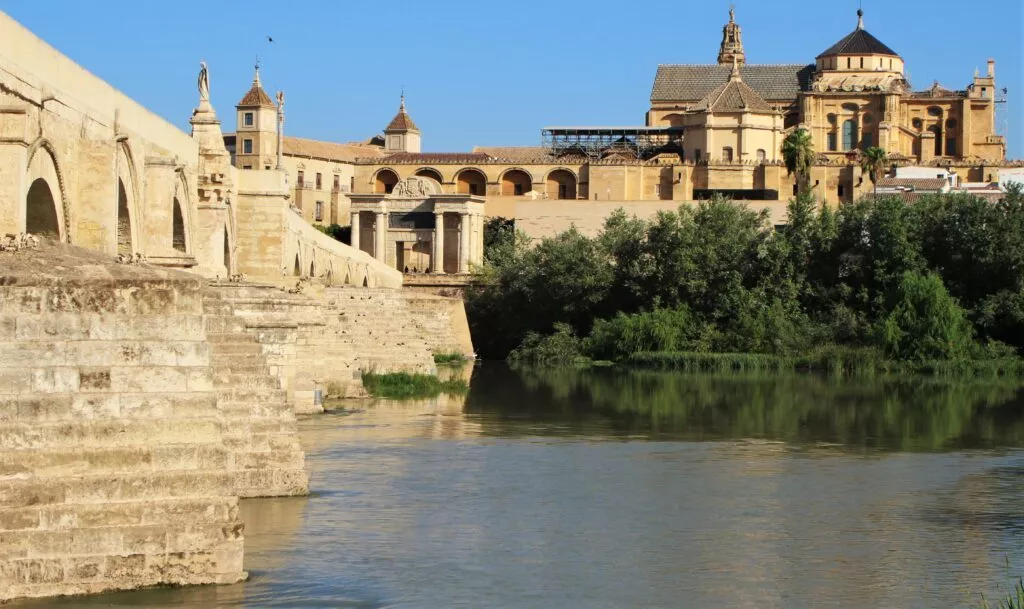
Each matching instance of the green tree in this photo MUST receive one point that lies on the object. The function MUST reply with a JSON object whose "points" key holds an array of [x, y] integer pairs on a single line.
{"points": [[926, 323], [873, 162], [798, 153]]}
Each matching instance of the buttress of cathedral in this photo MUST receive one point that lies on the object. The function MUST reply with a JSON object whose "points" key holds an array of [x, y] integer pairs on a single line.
{"points": [[714, 128]]}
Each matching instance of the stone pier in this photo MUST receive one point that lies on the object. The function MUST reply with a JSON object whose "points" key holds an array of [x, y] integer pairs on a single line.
{"points": [[115, 469]]}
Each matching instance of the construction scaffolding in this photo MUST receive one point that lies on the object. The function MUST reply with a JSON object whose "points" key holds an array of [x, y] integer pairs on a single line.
{"points": [[601, 142]]}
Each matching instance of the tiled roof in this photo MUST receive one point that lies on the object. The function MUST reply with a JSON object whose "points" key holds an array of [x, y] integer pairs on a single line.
{"points": [[256, 97], [329, 151], [859, 42], [733, 96], [915, 183], [690, 83], [401, 122], [513, 152], [460, 158]]}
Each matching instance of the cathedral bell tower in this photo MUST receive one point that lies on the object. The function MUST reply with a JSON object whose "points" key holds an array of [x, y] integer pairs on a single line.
{"points": [[732, 42]]}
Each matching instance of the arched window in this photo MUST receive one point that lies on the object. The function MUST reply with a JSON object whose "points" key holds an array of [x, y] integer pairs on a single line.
{"points": [[430, 173], [471, 182], [561, 185], [385, 182], [917, 123], [935, 111], [849, 134], [937, 130], [832, 144], [515, 183]]}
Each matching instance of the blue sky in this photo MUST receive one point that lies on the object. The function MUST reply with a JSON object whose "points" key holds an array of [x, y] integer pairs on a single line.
{"points": [[492, 73]]}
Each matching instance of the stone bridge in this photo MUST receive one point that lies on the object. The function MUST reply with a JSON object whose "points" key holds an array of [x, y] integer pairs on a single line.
{"points": [[82, 163], [145, 388]]}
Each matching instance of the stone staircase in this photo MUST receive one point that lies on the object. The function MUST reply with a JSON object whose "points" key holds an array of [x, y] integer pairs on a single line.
{"points": [[258, 424]]}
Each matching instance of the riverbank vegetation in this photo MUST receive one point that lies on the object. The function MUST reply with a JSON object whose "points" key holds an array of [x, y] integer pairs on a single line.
{"points": [[450, 358], [401, 386], [936, 286]]}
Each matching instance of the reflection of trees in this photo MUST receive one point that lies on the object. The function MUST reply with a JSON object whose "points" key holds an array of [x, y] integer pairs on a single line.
{"points": [[907, 414]]}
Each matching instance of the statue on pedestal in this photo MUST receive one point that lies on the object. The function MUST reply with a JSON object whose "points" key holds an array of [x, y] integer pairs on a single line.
{"points": [[204, 82]]}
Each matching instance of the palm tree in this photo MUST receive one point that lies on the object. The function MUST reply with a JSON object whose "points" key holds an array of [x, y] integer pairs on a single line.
{"points": [[798, 153], [873, 163]]}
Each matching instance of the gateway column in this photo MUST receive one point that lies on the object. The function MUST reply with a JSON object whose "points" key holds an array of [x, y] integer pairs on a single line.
{"points": [[438, 262], [381, 237], [464, 230], [355, 230]]}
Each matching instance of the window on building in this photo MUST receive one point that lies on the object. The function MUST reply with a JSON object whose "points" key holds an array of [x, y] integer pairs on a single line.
{"points": [[868, 141], [951, 123], [727, 154], [247, 146], [248, 119], [300, 180], [352, 184], [762, 156], [862, 62], [832, 142], [267, 167], [849, 63], [337, 182], [950, 146], [319, 211], [319, 181], [246, 166], [917, 123], [868, 119], [841, 191], [849, 134]]}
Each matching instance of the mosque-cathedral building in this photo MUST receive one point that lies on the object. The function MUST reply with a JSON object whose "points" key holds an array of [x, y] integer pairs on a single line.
{"points": [[710, 128]]}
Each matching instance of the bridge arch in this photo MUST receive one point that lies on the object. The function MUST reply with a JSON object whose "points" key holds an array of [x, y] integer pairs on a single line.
{"points": [[46, 203], [128, 241], [181, 216]]}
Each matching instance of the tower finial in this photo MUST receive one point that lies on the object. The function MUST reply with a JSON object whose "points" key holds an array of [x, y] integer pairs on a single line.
{"points": [[256, 76], [860, 17], [732, 13], [401, 106]]}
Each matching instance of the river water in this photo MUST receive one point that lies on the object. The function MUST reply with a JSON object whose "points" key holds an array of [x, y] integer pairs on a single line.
{"points": [[609, 489]]}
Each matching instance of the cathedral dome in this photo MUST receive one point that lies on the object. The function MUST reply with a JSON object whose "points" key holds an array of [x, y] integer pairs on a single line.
{"points": [[859, 42]]}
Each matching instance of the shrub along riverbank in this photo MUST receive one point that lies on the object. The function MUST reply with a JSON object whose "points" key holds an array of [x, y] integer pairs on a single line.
{"points": [[878, 285], [402, 386]]}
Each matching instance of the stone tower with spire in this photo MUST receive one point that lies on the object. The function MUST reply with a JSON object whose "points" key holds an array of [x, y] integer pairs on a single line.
{"points": [[402, 134], [732, 42], [256, 141]]}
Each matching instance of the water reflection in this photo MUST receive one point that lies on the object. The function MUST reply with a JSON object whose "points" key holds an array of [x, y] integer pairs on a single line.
{"points": [[542, 489], [909, 414]]}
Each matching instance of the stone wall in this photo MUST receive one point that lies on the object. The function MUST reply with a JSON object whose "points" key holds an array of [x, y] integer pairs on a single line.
{"points": [[114, 471], [326, 337]]}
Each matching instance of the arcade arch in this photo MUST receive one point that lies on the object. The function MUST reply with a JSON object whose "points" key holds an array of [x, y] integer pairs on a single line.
{"points": [[471, 182]]}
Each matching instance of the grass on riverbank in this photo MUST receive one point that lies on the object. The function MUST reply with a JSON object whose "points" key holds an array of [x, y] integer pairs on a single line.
{"points": [[449, 358], [830, 360], [401, 385], [1014, 599]]}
